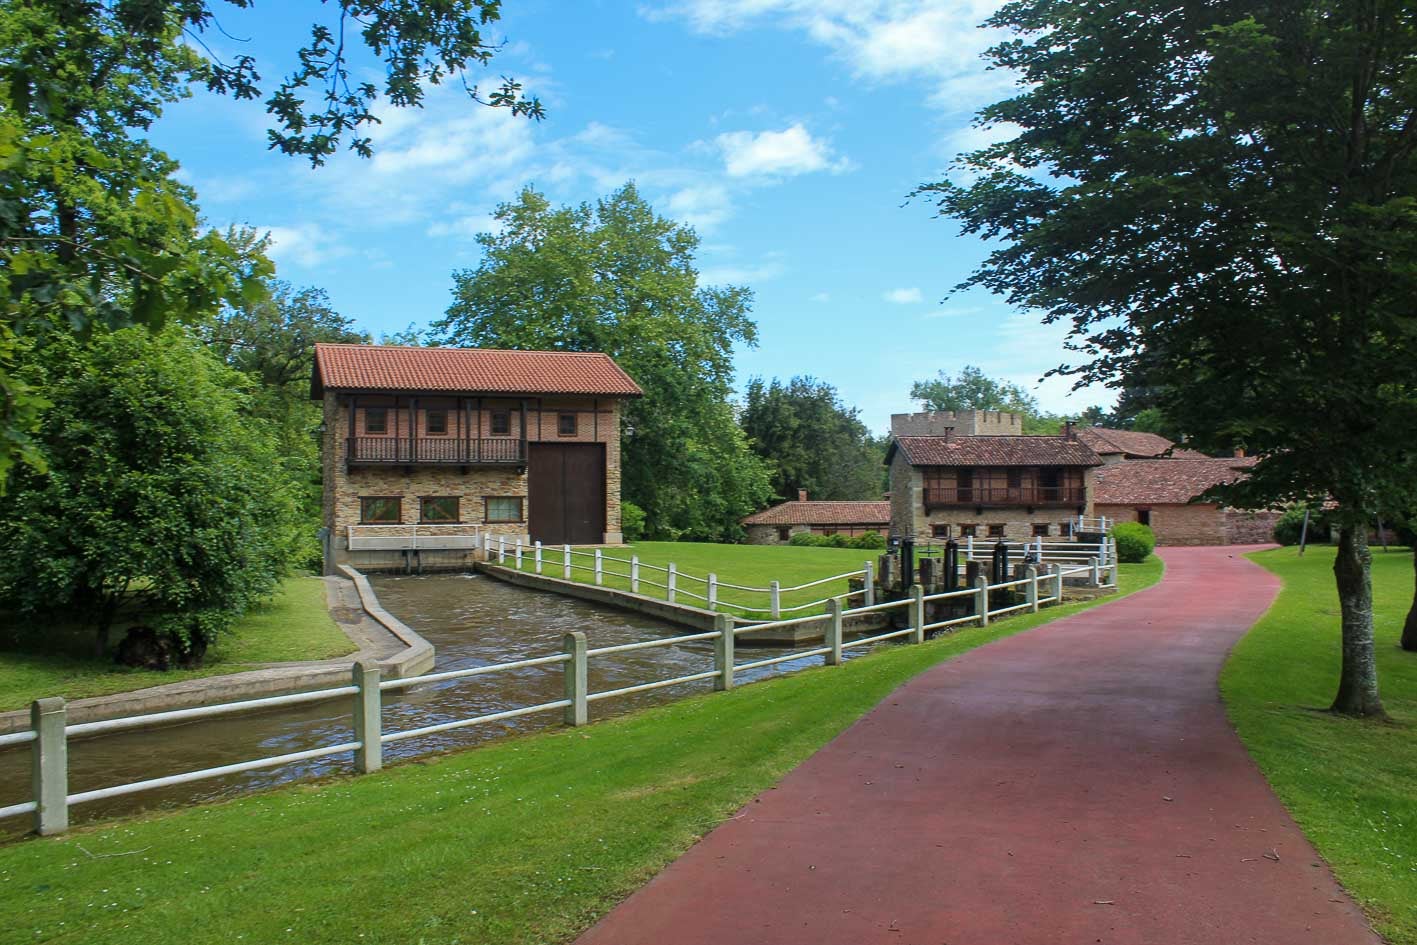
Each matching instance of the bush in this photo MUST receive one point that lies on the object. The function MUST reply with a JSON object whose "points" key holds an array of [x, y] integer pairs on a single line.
{"points": [[837, 541], [870, 541], [802, 539], [632, 521], [1135, 542], [1291, 524]]}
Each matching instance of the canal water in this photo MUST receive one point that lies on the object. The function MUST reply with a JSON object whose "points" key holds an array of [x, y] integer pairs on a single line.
{"points": [[471, 620]]}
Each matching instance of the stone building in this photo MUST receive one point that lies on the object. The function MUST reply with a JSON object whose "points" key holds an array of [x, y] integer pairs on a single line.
{"points": [[776, 525], [986, 483], [1159, 493], [425, 449]]}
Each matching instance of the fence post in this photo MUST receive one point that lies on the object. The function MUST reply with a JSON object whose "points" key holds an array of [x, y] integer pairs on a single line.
{"points": [[368, 718], [599, 568], [573, 645], [869, 596], [1031, 588], [775, 599], [672, 583], [518, 554], [1058, 582], [566, 562], [1096, 576], [713, 592], [1104, 525], [723, 652], [834, 632], [538, 557], [634, 574], [981, 599], [917, 614], [969, 548], [51, 766], [501, 549]]}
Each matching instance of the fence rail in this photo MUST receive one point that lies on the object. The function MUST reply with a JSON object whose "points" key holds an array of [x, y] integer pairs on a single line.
{"points": [[50, 732]]}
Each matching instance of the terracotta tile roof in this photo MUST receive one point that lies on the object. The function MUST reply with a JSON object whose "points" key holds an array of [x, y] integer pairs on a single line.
{"points": [[1130, 442], [467, 371], [1163, 481], [823, 513], [993, 451]]}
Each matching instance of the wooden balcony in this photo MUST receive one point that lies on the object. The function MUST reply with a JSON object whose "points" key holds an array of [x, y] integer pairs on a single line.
{"points": [[435, 451], [982, 496]]}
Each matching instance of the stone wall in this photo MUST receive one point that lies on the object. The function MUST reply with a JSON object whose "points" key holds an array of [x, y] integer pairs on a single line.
{"points": [[1202, 524], [1250, 528], [768, 534], [962, 422]]}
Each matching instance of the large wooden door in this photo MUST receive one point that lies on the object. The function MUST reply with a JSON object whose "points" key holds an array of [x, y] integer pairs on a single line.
{"points": [[566, 493]]}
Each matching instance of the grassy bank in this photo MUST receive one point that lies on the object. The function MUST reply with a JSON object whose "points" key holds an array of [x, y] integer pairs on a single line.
{"points": [[1349, 784], [294, 626], [748, 565], [528, 840]]}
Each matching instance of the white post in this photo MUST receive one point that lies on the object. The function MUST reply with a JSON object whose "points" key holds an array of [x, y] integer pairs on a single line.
{"points": [[981, 599], [775, 599], [634, 574], [1104, 524], [969, 548], [713, 592], [672, 582], [1096, 576], [573, 645], [834, 632], [917, 614], [368, 718], [51, 766], [723, 652], [1058, 583], [870, 586], [538, 557], [501, 549], [566, 562], [518, 554], [599, 569], [1031, 588]]}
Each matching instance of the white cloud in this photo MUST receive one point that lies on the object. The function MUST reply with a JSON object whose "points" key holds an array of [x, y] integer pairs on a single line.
{"points": [[776, 153], [306, 245], [702, 206], [740, 275], [911, 296], [822, 297]]}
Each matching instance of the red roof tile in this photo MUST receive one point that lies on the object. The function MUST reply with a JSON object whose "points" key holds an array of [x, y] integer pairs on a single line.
{"points": [[468, 371], [1130, 442], [823, 513], [994, 451], [1163, 481]]}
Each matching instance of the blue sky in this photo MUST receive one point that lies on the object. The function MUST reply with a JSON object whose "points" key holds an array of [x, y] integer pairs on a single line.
{"points": [[788, 132]]}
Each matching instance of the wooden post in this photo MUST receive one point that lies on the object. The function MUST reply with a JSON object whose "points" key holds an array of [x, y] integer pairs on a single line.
{"points": [[723, 652], [775, 599], [538, 557], [51, 766], [368, 718], [501, 549], [834, 632], [566, 562], [599, 569], [577, 687], [713, 592], [634, 574], [869, 596], [1058, 582], [518, 554], [917, 614], [1031, 588], [969, 548], [672, 582], [981, 599], [1096, 577]]}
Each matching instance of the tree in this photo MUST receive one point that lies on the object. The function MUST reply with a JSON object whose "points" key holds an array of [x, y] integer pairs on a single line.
{"points": [[1219, 200], [160, 501], [95, 228], [812, 440], [617, 277], [971, 389]]}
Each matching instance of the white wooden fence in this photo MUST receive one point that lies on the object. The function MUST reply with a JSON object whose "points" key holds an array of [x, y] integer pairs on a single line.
{"points": [[50, 732]]}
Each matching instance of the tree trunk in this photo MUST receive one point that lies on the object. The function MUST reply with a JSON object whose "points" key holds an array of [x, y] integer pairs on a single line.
{"points": [[1409, 629], [1358, 682]]}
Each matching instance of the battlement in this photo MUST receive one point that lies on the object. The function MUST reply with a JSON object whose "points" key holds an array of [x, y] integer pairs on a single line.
{"points": [[959, 422]]}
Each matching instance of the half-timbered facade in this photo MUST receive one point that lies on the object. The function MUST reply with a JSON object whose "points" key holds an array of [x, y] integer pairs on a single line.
{"points": [[427, 449]]}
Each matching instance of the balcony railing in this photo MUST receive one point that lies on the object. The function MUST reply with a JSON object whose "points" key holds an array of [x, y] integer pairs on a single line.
{"points": [[440, 450], [938, 496]]}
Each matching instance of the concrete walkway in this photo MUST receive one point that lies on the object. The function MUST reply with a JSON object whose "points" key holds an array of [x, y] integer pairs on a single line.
{"points": [[1075, 784]]}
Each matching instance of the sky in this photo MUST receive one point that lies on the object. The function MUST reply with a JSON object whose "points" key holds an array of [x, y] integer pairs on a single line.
{"points": [[788, 133]]}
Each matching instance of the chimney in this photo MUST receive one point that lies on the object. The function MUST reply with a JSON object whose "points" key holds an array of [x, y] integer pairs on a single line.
{"points": [[1069, 431], [801, 495]]}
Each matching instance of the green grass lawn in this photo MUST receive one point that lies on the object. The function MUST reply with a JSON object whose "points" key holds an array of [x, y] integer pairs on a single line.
{"points": [[294, 626], [748, 565], [1351, 785], [527, 840]]}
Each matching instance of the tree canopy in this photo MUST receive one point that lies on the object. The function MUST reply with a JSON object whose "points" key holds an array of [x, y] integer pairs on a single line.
{"points": [[972, 389], [95, 228], [617, 277], [812, 440], [1220, 200]]}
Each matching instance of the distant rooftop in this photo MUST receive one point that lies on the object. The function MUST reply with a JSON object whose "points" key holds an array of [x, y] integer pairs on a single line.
{"points": [[467, 370], [823, 513], [993, 451]]}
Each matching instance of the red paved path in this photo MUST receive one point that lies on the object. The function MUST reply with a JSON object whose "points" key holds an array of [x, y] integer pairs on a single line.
{"points": [[1075, 784]]}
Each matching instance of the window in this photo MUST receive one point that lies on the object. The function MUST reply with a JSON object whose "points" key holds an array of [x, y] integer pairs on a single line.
{"points": [[376, 419], [1041, 530], [502, 509], [1065, 529], [566, 424], [380, 510], [784, 533], [438, 509], [435, 423], [1144, 516], [939, 531], [501, 423], [1015, 478], [996, 531], [968, 531]]}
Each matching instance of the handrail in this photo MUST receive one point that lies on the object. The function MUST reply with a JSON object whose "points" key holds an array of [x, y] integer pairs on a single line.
{"points": [[206, 711]]}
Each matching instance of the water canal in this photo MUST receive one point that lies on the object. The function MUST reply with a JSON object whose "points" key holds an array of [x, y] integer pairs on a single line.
{"points": [[471, 620]]}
